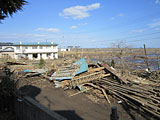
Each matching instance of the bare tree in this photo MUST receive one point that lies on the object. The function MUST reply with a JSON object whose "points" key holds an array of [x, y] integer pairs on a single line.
{"points": [[120, 50]]}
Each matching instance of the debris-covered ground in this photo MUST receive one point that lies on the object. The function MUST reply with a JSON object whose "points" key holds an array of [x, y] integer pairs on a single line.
{"points": [[80, 90]]}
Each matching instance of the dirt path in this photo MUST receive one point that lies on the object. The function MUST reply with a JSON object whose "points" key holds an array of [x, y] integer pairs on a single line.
{"points": [[78, 107]]}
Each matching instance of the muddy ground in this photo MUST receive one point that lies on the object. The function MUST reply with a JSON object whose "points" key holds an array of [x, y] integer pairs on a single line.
{"points": [[78, 107]]}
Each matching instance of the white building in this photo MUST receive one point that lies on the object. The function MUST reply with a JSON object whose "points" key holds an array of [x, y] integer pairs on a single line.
{"points": [[33, 51], [64, 49]]}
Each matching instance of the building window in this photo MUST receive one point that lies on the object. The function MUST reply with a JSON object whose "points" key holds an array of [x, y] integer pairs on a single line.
{"points": [[54, 55], [18, 47], [24, 47], [48, 47], [48, 54], [34, 47], [35, 55], [29, 47], [41, 47]]}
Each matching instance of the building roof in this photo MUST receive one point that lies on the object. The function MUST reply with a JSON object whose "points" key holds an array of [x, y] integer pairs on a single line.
{"points": [[34, 43], [8, 49], [5, 43], [68, 72]]}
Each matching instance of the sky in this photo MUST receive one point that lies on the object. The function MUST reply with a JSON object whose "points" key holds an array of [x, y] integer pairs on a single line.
{"points": [[85, 23]]}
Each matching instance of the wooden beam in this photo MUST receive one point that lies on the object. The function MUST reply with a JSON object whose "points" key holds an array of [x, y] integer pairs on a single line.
{"points": [[109, 69]]}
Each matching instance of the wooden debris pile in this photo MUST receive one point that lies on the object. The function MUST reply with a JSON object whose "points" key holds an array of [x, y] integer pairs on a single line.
{"points": [[15, 63], [151, 75], [107, 81], [146, 99]]}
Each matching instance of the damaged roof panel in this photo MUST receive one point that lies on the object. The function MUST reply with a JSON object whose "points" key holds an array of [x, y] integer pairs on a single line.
{"points": [[68, 72]]}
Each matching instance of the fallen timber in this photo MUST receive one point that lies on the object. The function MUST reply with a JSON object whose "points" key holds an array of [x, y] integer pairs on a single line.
{"points": [[109, 69], [84, 79], [103, 90], [144, 98], [140, 98], [15, 63]]}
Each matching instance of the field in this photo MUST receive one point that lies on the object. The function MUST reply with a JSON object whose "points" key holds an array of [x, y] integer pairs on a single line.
{"points": [[85, 105], [129, 57]]}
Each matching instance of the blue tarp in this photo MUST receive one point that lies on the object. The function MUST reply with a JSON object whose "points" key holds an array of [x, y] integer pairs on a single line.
{"points": [[83, 68]]}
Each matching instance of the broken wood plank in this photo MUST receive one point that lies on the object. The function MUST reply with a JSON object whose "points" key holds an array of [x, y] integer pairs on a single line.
{"points": [[95, 69], [103, 91], [84, 79], [80, 92], [15, 63], [109, 69]]}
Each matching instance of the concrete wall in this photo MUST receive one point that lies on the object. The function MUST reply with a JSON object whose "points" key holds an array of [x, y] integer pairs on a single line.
{"points": [[21, 50], [28, 109], [44, 56], [37, 50], [6, 54], [44, 51], [30, 56], [56, 55]]}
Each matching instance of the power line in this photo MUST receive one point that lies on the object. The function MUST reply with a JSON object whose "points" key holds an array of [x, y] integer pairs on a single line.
{"points": [[99, 42], [125, 38], [135, 21], [138, 35], [156, 38]]}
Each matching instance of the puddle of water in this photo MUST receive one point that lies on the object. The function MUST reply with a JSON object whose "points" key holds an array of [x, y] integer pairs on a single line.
{"points": [[153, 63]]}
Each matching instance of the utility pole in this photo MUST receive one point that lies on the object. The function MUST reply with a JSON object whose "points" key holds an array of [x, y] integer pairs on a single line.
{"points": [[146, 58], [63, 43], [82, 53]]}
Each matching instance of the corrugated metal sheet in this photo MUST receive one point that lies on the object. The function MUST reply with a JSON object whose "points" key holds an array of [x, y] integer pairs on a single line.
{"points": [[68, 72]]}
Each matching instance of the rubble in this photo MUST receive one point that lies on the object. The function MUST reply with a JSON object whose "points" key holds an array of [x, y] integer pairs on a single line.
{"points": [[141, 93], [144, 98], [68, 72], [15, 63]]}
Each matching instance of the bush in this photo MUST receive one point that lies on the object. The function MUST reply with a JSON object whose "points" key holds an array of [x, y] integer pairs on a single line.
{"points": [[41, 63]]}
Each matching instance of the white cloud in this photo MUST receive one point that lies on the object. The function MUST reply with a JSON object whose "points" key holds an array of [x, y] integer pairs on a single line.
{"points": [[83, 24], [120, 14], [158, 29], [48, 29], [138, 31], [94, 41], [79, 12], [112, 18], [38, 35], [73, 27], [155, 24], [21, 36], [157, 1]]}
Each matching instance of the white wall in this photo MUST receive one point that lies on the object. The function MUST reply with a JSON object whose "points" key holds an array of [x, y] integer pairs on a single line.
{"points": [[44, 56], [56, 55], [53, 50], [30, 56], [44, 50]]}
